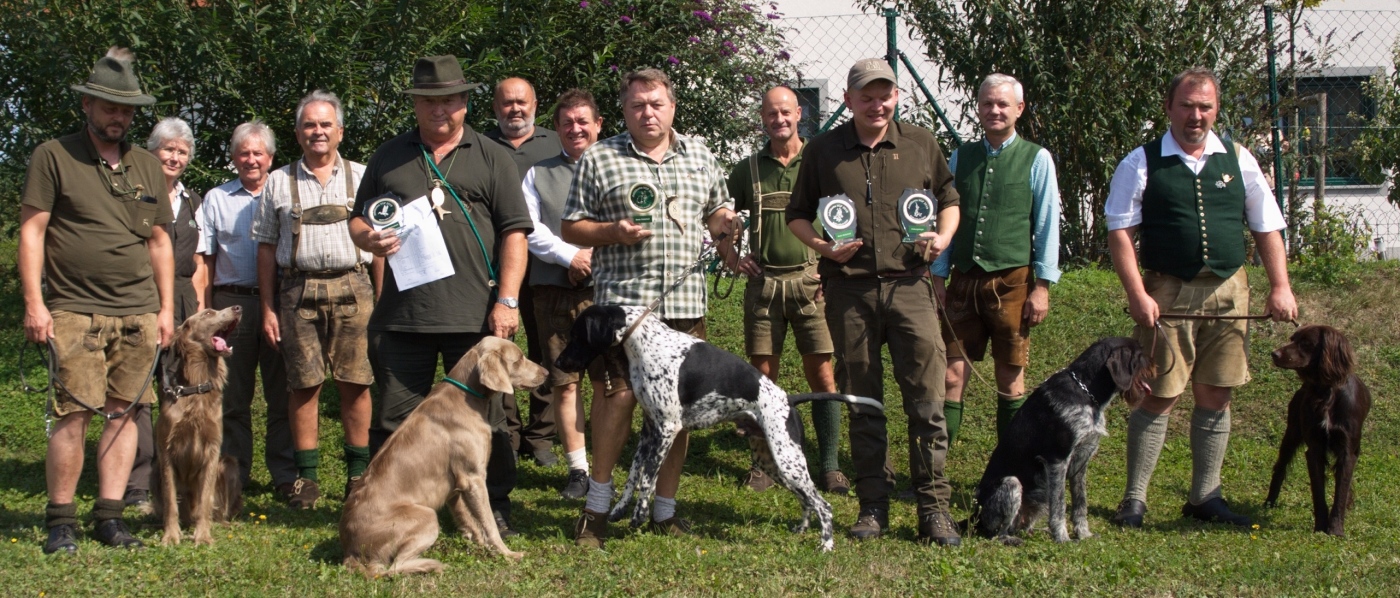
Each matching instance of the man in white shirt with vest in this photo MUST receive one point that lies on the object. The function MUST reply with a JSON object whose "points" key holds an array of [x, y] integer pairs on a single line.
{"points": [[1187, 197]]}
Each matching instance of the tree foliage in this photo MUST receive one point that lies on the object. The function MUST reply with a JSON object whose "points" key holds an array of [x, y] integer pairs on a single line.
{"points": [[219, 63], [1378, 148], [1095, 75]]}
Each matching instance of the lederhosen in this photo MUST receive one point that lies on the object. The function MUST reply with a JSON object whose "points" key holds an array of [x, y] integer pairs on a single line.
{"points": [[322, 215], [788, 278]]}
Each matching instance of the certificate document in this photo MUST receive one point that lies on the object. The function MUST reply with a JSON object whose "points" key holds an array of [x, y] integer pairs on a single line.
{"points": [[422, 255]]}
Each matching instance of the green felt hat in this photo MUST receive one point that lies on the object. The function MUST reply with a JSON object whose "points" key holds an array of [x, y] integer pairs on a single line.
{"points": [[439, 76], [113, 79]]}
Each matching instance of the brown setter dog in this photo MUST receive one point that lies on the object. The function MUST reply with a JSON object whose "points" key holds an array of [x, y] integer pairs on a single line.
{"points": [[437, 456], [1326, 414], [195, 484]]}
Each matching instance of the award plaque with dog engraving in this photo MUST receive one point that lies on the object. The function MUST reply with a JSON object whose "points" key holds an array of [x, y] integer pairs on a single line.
{"points": [[642, 198], [917, 213], [837, 214]]}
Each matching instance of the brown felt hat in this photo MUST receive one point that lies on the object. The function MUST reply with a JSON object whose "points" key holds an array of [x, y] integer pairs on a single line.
{"points": [[439, 76], [113, 79], [868, 71]]}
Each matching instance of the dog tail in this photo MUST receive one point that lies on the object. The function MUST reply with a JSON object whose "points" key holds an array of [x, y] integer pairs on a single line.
{"points": [[831, 396], [373, 569]]}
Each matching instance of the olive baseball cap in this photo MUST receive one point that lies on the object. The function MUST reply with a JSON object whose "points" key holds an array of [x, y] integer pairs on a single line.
{"points": [[868, 71], [113, 79], [439, 76]]}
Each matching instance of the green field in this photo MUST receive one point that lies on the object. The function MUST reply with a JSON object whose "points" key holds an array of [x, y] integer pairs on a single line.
{"points": [[741, 544]]}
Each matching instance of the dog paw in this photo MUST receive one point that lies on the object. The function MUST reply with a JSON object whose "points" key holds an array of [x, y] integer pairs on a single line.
{"points": [[827, 545], [170, 539], [1060, 538], [205, 540], [1084, 535], [1012, 541], [1270, 503], [512, 555]]}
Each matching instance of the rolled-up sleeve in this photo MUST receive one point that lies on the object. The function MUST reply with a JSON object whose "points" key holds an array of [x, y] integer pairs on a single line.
{"points": [[1045, 218], [1123, 208]]}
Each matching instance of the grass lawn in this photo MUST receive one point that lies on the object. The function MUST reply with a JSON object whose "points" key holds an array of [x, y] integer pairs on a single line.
{"points": [[741, 543]]}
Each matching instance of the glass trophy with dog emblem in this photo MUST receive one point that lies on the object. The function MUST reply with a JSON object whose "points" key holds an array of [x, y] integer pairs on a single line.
{"points": [[837, 214], [918, 213]]}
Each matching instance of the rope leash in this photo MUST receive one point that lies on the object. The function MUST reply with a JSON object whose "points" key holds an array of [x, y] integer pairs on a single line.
{"points": [[55, 384], [705, 252]]}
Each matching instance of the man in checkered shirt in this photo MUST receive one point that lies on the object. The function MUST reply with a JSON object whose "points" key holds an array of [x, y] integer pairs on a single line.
{"points": [[643, 200]]}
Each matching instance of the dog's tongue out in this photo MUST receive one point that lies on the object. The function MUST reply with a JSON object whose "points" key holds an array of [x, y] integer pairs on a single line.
{"points": [[219, 343]]}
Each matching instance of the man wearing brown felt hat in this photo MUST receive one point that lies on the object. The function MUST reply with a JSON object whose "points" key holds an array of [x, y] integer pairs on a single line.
{"points": [[473, 184], [92, 222]]}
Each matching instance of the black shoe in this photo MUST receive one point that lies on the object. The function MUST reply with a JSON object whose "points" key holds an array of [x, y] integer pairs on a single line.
{"points": [[938, 528], [62, 538], [1130, 513], [503, 526], [870, 524], [113, 532], [136, 497], [1215, 510], [542, 457], [576, 487]]}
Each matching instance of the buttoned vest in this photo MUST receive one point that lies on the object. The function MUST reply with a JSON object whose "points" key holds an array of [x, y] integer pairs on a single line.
{"points": [[1191, 221], [995, 202], [553, 177], [184, 235]]}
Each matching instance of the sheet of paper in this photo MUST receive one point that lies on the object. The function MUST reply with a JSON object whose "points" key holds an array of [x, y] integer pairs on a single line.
{"points": [[422, 256]]}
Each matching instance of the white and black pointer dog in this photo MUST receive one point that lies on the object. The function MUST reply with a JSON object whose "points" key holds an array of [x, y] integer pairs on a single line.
{"points": [[1052, 438], [683, 382]]}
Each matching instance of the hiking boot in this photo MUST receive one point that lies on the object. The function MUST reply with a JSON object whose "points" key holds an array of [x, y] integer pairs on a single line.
{"points": [[503, 525], [352, 484], [591, 529], [305, 493], [113, 532], [285, 491], [1130, 513], [542, 457], [757, 480], [871, 523], [675, 527], [136, 497], [835, 482], [1215, 510], [62, 538], [576, 487], [938, 528]]}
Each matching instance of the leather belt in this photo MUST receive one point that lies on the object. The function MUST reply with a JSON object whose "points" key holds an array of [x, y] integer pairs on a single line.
{"points": [[915, 272], [295, 273], [236, 290]]}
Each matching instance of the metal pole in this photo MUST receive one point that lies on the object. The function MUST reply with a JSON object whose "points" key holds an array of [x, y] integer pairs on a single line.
{"points": [[1273, 105], [832, 120], [942, 116], [892, 43]]}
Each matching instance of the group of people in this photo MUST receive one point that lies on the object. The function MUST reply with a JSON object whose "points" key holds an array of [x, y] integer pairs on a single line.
{"points": [[320, 256]]}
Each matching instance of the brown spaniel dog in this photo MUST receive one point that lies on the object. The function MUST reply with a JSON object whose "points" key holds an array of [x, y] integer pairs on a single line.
{"points": [[1326, 414]]}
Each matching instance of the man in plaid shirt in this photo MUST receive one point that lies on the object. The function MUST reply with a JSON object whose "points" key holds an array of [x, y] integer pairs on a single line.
{"points": [[643, 199]]}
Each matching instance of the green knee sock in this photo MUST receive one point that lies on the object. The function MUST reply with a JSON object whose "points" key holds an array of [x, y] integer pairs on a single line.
{"points": [[1147, 432], [64, 514], [826, 418], [1210, 433], [307, 462], [356, 460], [107, 508], [952, 416], [1006, 409]]}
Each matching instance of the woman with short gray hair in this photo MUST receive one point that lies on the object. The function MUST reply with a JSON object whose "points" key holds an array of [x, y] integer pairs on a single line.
{"points": [[172, 142]]}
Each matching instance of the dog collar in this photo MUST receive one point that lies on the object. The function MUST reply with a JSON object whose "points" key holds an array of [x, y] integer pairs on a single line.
{"points": [[1080, 383], [176, 391], [449, 380]]}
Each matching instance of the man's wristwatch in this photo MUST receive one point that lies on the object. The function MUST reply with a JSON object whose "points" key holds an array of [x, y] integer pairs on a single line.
{"points": [[510, 302]]}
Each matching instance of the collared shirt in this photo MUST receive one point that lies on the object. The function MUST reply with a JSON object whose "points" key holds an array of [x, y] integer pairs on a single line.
{"points": [[1045, 215], [691, 188], [324, 247], [779, 247], [485, 178], [544, 244], [95, 260], [1123, 208], [875, 178], [226, 234], [542, 143]]}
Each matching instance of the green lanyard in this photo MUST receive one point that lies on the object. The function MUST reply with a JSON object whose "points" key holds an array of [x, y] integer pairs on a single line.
{"points": [[490, 271]]}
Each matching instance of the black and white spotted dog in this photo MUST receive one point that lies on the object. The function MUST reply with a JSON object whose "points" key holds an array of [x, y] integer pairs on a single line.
{"points": [[1052, 438], [683, 382]]}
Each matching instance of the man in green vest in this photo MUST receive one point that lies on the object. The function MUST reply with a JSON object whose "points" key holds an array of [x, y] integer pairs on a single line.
{"points": [[783, 287], [1005, 255], [1187, 196]]}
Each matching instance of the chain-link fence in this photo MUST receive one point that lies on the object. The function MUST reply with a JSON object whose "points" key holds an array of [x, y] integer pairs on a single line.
{"points": [[1325, 60]]}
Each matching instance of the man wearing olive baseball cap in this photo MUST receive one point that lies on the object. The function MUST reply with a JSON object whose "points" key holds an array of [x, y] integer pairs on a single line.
{"points": [[92, 222], [472, 182], [878, 291]]}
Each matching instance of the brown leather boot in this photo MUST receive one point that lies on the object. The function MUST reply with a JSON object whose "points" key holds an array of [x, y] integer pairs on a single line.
{"points": [[591, 529]]}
